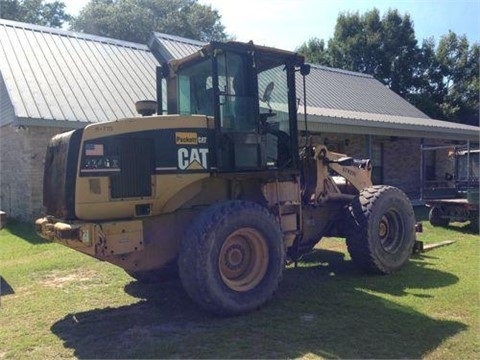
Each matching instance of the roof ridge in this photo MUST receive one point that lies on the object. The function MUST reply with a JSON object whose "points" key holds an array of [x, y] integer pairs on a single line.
{"points": [[179, 39], [341, 71], [75, 34]]}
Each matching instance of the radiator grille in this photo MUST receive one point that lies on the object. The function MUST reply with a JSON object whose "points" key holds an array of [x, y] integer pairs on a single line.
{"points": [[136, 162]]}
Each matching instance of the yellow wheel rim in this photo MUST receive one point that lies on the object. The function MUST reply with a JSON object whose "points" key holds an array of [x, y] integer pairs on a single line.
{"points": [[243, 259]]}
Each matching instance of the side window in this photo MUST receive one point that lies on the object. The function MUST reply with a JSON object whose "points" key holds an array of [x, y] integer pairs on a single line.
{"points": [[274, 119], [273, 97], [195, 92], [238, 103]]}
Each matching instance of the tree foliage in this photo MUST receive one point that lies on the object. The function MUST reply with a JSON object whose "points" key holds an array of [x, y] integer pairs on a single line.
{"points": [[443, 81], [458, 64], [135, 20], [38, 12]]}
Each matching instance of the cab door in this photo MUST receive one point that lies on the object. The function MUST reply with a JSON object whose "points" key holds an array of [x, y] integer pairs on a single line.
{"points": [[241, 143]]}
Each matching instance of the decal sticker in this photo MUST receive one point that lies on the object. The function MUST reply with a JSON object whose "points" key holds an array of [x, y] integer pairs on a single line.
{"points": [[186, 138], [192, 159], [97, 165], [94, 149]]}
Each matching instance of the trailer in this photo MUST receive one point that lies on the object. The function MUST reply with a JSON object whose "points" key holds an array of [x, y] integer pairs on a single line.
{"points": [[454, 197]]}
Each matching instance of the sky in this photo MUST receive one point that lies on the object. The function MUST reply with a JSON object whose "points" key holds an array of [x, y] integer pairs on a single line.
{"points": [[287, 24]]}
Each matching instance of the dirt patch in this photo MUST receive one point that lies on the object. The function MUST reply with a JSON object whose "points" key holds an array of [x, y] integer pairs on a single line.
{"points": [[59, 279]]}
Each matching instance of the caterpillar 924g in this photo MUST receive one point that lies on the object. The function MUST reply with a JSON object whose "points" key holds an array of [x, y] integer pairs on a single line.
{"points": [[221, 191]]}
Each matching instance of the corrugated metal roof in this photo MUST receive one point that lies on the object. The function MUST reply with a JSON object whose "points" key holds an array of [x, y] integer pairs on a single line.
{"points": [[168, 47], [345, 101], [344, 121], [329, 88], [53, 74]]}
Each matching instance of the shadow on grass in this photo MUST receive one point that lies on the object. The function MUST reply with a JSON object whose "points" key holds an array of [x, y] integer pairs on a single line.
{"points": [[463, 228], [324, 308], [5, 287], [25, 231]]}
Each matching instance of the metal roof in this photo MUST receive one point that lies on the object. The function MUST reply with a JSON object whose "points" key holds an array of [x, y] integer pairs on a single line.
{"points": [[73, 78], [59, 75], [351, 122], [350, 102], [168, 47], [330, 88]]}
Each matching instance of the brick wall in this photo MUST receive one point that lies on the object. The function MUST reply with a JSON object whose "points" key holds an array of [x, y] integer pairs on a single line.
{"points": [[14, 178], [22, 153], [401, 156], [402, 164]]}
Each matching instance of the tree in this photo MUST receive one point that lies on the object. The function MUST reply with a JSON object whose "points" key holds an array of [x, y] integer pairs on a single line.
{"points": [[38, 12], [314, 50], [135, 20], [443, 82], [428, 85], [383, 47], [460, 70]]}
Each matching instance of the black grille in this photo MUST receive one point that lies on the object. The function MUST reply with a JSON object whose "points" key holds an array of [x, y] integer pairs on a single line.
{"points": [[136, 163]]}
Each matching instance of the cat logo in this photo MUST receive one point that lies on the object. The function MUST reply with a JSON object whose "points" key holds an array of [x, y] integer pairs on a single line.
{"points": [[192, 159]]}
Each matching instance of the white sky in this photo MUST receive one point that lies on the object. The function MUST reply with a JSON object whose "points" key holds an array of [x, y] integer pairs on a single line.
{"points": [[287, 24]]}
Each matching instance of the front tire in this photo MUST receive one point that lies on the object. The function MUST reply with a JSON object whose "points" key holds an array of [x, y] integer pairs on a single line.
{"points": [[382, 235], [232, 258]]}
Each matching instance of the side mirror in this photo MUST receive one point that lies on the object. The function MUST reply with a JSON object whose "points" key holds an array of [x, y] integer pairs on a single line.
{"points": [[267, 94], [305, 69]]}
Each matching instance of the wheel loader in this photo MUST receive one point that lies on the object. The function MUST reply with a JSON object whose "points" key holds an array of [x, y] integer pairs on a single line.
{"points": [[218, 187]]}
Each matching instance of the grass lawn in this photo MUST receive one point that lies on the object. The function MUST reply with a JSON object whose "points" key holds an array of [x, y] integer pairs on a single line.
{"points": [[57, 303]]}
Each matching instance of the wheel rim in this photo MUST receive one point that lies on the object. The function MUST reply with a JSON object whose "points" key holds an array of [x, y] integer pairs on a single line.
{"points": [[243, 259], [391, 231]]}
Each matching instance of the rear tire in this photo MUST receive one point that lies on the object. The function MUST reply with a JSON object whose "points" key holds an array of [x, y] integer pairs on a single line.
{"points": [[232, 258], [382, 234]]}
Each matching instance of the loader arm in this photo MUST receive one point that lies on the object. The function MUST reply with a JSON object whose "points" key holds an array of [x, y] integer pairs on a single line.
{"points": [[356, 172]]}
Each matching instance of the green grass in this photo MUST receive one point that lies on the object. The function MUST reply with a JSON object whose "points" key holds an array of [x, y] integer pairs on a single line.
{"points": [[58, 303]]}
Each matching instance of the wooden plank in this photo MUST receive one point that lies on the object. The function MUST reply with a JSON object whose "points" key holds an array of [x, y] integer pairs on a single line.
{"points": [[429, 247]]}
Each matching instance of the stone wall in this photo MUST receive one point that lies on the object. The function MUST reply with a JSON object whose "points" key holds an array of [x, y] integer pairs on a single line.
{"points": [[22, 154]]}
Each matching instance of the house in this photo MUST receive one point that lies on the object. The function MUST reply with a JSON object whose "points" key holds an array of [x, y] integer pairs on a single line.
{"points": [[54, 80]]}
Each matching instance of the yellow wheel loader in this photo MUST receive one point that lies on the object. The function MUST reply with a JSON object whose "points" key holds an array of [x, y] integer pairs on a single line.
{"points": [[216, 187]]}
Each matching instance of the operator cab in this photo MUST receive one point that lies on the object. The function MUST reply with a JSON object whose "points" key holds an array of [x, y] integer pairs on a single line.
{"points": [[250, 92]]}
